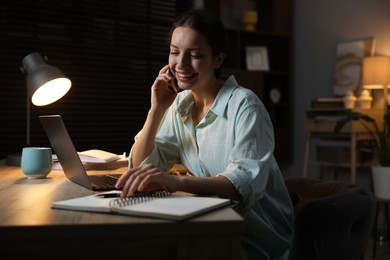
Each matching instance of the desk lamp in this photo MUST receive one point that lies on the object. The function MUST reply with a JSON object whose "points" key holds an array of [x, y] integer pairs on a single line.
{"points": [[376, 75], [45, 85]]}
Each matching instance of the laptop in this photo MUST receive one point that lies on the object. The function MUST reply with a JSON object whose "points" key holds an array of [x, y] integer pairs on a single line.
{"points": [[69, 159]]}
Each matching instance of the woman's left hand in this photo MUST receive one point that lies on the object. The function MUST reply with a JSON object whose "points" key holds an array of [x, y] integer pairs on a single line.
{"points": [[144, 178]]}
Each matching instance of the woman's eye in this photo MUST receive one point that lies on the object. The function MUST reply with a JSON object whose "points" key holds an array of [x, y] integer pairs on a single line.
{"points": [[196, 55]]}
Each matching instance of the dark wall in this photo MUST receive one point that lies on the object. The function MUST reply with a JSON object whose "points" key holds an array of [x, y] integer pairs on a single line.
{"points": [[317, 34]]}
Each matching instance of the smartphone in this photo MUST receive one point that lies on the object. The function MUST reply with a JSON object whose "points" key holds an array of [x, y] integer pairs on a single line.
{"points": [[172, 85]]}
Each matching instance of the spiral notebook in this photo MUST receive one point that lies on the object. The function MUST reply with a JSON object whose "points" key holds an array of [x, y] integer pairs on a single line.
{"points": [[158, 204]]}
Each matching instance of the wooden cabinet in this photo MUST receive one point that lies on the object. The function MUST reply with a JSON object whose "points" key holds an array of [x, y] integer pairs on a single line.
{"points": [[274, 86], [351, 148]]}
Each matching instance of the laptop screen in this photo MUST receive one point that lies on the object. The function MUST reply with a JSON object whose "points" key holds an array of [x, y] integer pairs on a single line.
{"points": [[65, 150]]}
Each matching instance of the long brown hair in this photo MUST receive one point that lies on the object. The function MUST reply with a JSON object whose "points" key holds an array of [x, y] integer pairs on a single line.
{"points": [[209, 26]]}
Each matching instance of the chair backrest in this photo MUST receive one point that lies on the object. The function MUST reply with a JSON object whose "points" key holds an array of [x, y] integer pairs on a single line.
{"points": [[333, 219]]}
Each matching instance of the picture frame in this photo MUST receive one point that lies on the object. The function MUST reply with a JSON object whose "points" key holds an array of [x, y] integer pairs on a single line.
{"points": [[348, 69], [257, 58]]}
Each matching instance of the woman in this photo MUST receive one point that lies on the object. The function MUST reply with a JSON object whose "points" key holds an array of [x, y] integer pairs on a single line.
{"points": [[218, 130]]}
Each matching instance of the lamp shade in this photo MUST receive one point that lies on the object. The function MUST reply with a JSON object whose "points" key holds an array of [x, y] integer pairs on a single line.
{"points": [[45, 83], [376, 72]]}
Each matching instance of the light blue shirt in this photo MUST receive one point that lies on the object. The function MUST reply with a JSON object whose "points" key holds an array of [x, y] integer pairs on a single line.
{"points": [[236, 140]]}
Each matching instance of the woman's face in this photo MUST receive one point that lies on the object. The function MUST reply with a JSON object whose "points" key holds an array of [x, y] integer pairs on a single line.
{"points": [[190, 59]]}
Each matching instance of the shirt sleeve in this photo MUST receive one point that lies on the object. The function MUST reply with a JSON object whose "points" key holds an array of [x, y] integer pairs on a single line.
{"points": [[251, 159]]}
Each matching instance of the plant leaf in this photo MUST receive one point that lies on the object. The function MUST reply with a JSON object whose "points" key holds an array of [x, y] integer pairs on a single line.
{"points": [[340, 124]]}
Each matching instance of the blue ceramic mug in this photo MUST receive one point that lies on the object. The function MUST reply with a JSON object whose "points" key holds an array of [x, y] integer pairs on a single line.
{"points": [[36, 162]]}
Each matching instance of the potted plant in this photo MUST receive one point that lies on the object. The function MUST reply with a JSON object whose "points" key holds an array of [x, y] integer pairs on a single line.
{"points": [[381, 171]]}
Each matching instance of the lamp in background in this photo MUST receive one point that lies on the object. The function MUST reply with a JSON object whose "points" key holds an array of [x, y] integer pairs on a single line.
{"points": [[45, 85], [376, 75]]}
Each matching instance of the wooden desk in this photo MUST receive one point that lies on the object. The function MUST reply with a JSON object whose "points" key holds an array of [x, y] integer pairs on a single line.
{"points": [[30, 228], [320, 123]]}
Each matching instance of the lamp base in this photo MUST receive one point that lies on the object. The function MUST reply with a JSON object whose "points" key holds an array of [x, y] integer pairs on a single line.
{"points": [[13, 160]]}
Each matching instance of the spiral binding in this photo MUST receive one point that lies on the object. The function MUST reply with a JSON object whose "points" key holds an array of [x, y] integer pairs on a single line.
{"points": [[140, 198]]}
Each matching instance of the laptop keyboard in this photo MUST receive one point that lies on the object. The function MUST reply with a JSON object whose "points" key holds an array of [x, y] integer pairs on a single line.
{"points": [[102, 182]]}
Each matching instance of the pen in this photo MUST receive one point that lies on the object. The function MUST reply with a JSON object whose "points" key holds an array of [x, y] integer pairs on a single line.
{"points": [[109, 195], [135, 195]]}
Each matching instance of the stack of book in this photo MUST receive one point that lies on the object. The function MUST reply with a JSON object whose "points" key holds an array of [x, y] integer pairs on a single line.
{"points": [[96, 159]]}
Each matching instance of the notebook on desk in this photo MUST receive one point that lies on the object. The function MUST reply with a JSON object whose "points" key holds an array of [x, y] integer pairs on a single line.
{"points": [[68, 157], [156, 204]]}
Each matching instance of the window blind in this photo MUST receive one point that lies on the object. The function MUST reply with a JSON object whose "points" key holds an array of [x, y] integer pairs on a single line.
{"points": [[111, 51]]}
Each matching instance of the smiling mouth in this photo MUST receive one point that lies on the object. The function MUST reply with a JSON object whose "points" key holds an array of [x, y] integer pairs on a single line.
{"points": [[185, 76]]}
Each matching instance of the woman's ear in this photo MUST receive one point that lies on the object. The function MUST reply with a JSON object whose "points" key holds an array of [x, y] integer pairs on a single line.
{"points": [[219, 60]]}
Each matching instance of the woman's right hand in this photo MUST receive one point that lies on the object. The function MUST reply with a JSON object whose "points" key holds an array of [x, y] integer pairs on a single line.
{"points": [[146, 178], [161, 96]]}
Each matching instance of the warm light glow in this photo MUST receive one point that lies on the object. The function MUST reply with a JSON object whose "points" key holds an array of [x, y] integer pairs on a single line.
{"points": [[51, 91], [376, 72]]}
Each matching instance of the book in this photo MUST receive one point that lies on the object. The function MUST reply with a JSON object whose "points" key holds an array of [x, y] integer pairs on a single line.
{"points": [[96, 159], [98, 156], [329, 99], [158, 204]]}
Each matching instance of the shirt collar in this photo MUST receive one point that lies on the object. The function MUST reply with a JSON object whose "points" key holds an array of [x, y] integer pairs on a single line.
{"points": [[220, 103]]}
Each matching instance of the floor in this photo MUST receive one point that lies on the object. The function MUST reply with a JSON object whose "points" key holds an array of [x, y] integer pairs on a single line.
{"points": [[382, 251]]}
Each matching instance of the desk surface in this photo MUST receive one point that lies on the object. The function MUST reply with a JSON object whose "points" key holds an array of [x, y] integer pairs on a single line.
{"points": [[324, 120], [27, 222]]}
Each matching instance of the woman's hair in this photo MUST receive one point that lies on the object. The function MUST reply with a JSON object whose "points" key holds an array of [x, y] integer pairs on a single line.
{"points": [[209, 26]]}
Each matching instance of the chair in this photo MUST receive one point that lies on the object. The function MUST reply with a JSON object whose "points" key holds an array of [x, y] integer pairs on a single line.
{"points": [[333, 219]]}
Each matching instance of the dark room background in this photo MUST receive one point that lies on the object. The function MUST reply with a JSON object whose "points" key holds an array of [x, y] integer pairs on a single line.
{"points": [[111, 51]]}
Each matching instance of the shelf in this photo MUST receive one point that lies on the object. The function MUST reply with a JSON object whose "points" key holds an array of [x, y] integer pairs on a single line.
{"points": [[273, 31]]}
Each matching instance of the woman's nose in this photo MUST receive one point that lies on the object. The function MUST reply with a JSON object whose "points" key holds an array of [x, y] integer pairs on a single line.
{"points": [[183, 61]]}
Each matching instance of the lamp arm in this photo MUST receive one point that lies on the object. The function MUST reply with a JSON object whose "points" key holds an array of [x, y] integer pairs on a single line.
{"points": [[28, 127]]}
